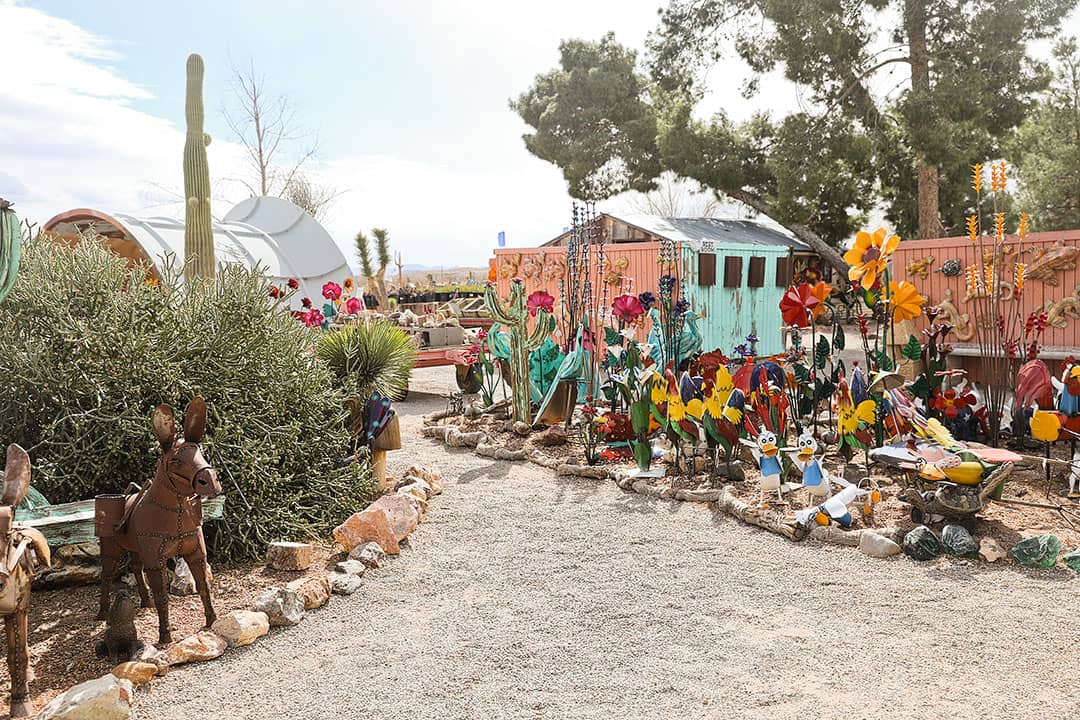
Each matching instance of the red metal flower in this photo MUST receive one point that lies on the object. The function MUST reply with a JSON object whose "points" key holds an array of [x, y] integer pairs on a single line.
{"points": [[331, 291], [353, 305], [627, 308], [540, 300], [293, 284], [798, 305], [951, 403]]}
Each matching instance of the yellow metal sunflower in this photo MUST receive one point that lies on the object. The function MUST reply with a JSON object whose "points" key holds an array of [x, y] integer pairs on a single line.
{"points": [[870, 255]]}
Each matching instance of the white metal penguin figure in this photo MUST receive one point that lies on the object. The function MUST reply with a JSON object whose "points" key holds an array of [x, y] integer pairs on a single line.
{"points": [[815, 477]]}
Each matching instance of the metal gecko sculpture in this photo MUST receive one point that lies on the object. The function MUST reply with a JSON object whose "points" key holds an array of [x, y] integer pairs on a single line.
{"points": [[162, 520], [16, 574]]}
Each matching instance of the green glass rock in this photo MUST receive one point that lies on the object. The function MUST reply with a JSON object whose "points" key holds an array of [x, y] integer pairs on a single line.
{"points": [[1072, 559], [958, 541], [1040, 551], [922, 544]]}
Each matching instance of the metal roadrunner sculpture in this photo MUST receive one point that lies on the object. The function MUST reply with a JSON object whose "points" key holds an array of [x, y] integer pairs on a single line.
{"points": [[162, 520]]}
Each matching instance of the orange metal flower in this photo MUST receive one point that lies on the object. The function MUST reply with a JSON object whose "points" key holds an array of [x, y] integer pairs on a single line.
{"points": [[977, 177], [999, 225], [971, 273], [1022, 231], [905, 302], [1019, 273], [870, 256], [821, 290], [973, 227], [988, 274]]}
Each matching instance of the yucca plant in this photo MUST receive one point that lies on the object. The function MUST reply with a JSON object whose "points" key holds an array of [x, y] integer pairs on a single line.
{"points": [[375, 357]]}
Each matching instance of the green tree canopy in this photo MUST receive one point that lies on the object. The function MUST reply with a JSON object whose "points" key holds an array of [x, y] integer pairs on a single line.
{"points": [[611, 125], [1048, 148]]}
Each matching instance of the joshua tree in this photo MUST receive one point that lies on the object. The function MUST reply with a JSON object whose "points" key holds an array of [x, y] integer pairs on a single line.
{"points": [[376, 277]]}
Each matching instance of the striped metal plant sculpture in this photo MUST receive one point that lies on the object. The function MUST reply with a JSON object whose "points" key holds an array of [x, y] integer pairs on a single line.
{"points": [[198, 230], [10, 243], [514, 316]]}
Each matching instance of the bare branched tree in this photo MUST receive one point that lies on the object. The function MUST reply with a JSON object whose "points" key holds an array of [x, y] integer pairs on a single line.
{"points": [[277, 147], [314, 198], [677, 197]]}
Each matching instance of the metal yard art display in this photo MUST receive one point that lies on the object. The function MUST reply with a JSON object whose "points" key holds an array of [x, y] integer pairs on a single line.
{"points": [[514, 316], [162, 520], [23, 547]]}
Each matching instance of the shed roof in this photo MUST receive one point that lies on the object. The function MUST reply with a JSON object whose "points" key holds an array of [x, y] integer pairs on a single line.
{"points": [[721, 231]]}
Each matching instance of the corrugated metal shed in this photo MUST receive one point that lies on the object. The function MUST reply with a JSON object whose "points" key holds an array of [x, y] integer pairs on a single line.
{"points": [[698, 233], [269, 233]]}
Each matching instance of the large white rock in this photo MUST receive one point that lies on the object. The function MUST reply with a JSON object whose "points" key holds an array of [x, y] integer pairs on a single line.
{"points": [[282, 606], [344, 584], [877, 546], [104, 698], [242, 627], [990, 550], [204, 645], [183, 583], [370, 554]]}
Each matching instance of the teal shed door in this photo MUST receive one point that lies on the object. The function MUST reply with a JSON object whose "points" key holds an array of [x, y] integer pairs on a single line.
{"points": [[736, 293]]}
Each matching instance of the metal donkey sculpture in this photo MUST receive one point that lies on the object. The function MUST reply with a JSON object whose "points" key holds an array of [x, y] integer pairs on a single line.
{"points": [[16, 573], [162, 520]]}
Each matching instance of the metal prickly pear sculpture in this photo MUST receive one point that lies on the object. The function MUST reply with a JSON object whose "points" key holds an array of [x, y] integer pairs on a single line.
{"points": [[515, 317], [10, 243], [198, 230]]}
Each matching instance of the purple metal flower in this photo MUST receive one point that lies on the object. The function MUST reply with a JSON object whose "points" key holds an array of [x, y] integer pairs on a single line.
{"points": [[647, 299], [667, 283], [681, 308]]}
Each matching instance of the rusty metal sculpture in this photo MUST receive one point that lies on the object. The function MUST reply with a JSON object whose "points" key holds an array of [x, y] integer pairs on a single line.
{"points": [[162, 520], [16, 574]]}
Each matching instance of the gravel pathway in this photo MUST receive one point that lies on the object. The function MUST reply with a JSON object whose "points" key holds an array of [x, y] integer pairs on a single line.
{"points": [[524, 595]]}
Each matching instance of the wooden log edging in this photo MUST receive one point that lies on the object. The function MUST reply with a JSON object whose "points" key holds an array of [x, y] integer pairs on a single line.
{"points": [[721, 500], [484, 446]]}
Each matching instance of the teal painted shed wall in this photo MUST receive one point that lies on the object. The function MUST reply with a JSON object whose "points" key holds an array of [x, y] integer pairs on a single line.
{"points": [[730, 314]]}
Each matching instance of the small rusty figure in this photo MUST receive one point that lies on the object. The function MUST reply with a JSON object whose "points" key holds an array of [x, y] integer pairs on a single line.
{"points": [[21, 546], [121, 642], [162, 520]]}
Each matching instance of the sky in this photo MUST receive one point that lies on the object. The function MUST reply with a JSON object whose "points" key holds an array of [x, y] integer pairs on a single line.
{"points": [[408, 101]]}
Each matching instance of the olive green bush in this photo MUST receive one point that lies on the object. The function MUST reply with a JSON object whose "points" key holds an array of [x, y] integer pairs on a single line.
{"points": [[88, 347]]}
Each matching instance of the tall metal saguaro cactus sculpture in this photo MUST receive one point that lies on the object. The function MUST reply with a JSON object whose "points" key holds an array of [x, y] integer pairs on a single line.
{"points": [[515, 317], [10, 244], [198, 230]]}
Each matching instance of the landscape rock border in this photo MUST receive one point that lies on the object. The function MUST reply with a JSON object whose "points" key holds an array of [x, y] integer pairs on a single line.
{"points": [[112, 695], [720, 500]]}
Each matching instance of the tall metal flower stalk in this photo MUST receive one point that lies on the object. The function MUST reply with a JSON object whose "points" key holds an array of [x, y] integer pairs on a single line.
{"points": [[995, 291]]}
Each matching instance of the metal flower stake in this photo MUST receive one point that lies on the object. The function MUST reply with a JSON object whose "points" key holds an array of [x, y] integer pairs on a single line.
{"points": [[514, 316]]}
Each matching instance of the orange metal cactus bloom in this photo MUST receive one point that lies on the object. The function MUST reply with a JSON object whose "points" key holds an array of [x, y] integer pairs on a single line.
{"points": [[1018, 278], [999, 225], [1022, 232], [973, 227], [972, 275], [988, 275], [977, 177]]}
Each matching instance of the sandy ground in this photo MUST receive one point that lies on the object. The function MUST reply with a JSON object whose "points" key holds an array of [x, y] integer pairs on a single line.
{"points": [[524, 595]]}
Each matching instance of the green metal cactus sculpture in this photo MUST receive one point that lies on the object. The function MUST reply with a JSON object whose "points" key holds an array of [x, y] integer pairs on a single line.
{"points": [[10, 244], [198, 229], [515, 317]]}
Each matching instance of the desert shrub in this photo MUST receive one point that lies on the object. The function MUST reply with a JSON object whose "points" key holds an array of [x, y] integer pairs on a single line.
{"points": [[88, 347], [374, 357]]}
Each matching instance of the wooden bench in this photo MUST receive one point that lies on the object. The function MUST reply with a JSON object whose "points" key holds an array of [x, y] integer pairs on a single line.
{"points": [[73, 523]]}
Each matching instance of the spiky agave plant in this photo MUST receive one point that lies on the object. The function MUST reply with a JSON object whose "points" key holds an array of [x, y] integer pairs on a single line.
{"points": [[375, 357]]}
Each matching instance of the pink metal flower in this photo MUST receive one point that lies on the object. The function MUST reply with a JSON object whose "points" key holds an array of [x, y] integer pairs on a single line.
{"points": [[314, 318], [331, 291], [627, 308], [540, 300], [352, 305]]}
